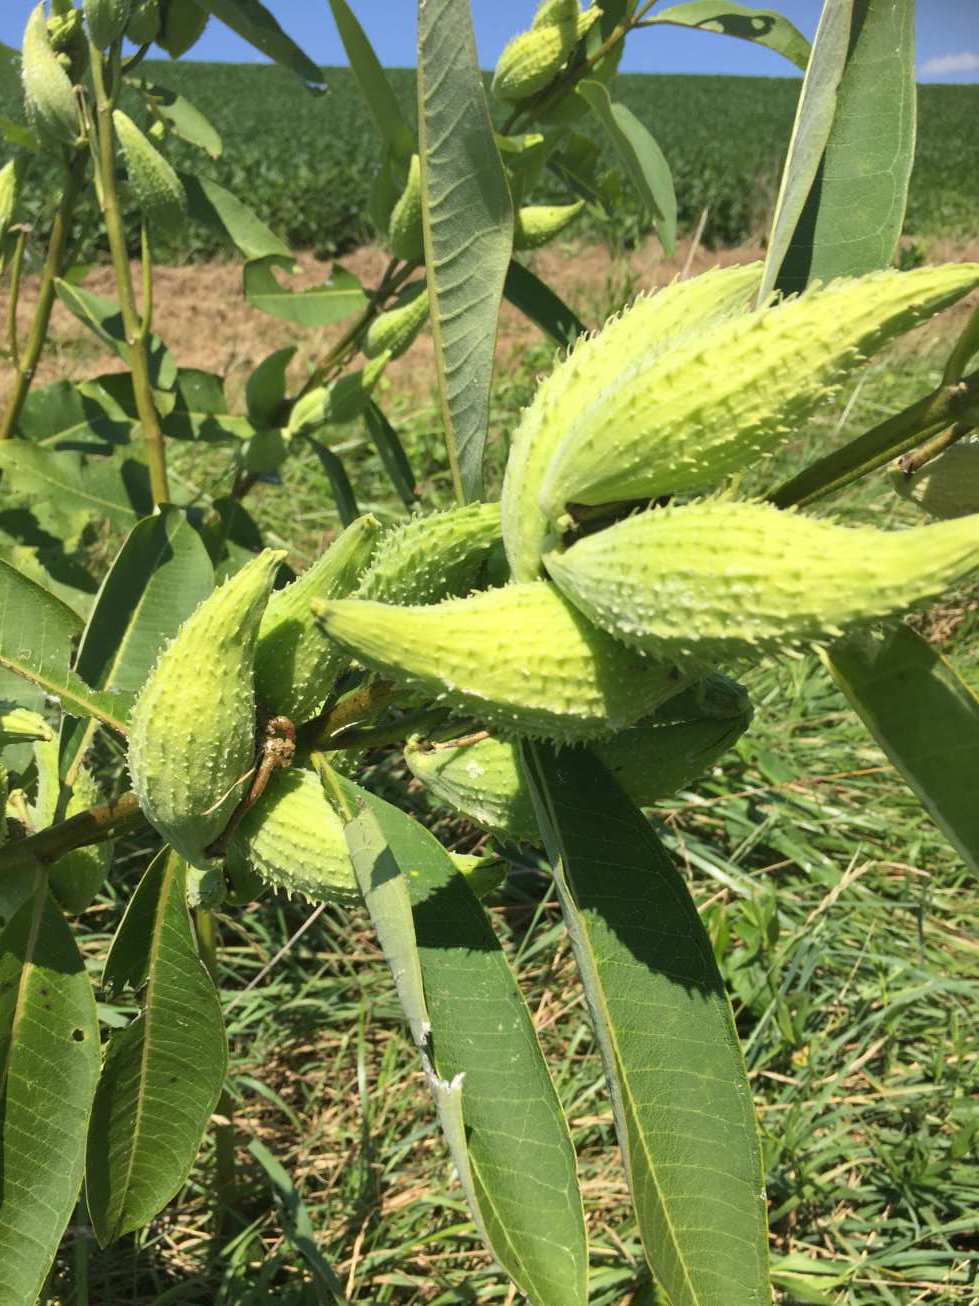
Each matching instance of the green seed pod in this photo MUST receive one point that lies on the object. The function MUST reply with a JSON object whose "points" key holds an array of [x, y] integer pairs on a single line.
{"points": [[483, 779], [533, 59], [432, 558], [948, 486], [21, 726], [720, 579], [48, 96], [296, 665], [723, 399], [536, 224], [76, 878], [154, 183], [106, 20], [405, 235], [519, 658], [395, 330], [192, 732], [144, 23], [341, 401], [627, 346], [11, 181]]}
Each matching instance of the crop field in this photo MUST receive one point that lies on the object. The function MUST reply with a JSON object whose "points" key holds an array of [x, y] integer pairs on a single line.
{"points": [[306, 162]]}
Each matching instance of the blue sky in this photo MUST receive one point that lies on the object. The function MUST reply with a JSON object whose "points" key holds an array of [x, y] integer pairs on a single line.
{"points": [[948, 37]]}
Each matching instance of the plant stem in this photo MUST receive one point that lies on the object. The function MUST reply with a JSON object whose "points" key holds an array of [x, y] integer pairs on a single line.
{"points": [[53, 267], [963, 350], [877, 446], [914, 461], [359, 705], [16, 267], [224, 1134], [137, 327], [94, 825]]}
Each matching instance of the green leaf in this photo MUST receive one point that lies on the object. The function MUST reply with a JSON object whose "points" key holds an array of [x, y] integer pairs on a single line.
{"points": [[184, 119], [640, 156], [343, 492], [37, 633], [115, 487], [373, 82], [844, 187], [49, 1064], [253, 22], [392, 454], [62, 416], [200, 411], [162, 1076], [18, 136], [539, 303], [520, 1158], [266, 387], [183, 23], [104, 319], [924, 718], [468, 220], [762, 26], [336, 299], [680, 1093], [217, 208]]}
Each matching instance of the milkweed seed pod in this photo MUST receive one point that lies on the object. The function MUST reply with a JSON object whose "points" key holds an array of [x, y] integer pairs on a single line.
{"points": [[11, 179], [76, 877], [192, 732], [48, 96], [727, 397], [432, 558], [627, 346], [948, 486], [144, 22], [341, 401], [483, 780], [720, 579], [519, 658], [106, 20], [157, 188], [536, 224], [296, 665], [396, 330], [533, 59], [21, 726], [405, 235], [293, 839]]}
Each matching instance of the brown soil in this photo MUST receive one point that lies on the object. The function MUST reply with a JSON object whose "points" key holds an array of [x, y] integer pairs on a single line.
{"points": [[202, 315]]}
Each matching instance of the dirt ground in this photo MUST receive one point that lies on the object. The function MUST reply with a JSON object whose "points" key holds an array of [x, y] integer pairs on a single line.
{"points": [[202, 315]]}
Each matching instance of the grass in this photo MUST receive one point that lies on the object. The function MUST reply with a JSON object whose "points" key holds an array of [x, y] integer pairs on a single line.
{"points": [[845, 927]]}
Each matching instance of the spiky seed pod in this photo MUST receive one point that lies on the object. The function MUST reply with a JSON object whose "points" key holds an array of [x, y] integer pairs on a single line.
{"points": [[76, 878], [483, 779], [341, 401], [11, 181], [106, 20], [405, 235], [536, 224], [432, 558], [519, 658], [396, 330], [296, 665], [48, 96], [144, 22], [626, 346], [192, 732], [948, 486], [21, 726], [157, 188], [533, 59], [720, 579], [293, 839], [729, 396]]}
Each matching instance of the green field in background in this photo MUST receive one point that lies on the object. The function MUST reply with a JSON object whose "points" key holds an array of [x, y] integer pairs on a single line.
{"points": [[306, 162]]}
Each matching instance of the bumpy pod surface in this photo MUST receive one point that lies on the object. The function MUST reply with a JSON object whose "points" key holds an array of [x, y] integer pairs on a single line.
{"points": [[76, 878], [948, 486], [157, 188], [536, 224], [432, 558], [724, 399], [519, 658], [295, 663], [397, 329], [192, 732], [106, 20], [405, 235], [626, 346], [719, 579], [10, 179], [534, 58], [483, 779], [48, 97]]}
